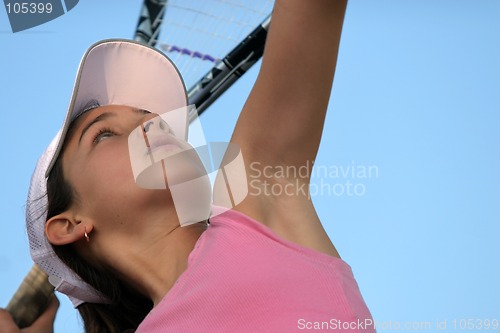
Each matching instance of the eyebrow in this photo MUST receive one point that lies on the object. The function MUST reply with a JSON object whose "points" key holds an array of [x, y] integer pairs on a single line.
{"points": [[97, 119]]}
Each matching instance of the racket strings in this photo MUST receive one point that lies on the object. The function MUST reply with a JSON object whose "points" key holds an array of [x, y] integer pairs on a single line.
{"points": [[195, 34]]}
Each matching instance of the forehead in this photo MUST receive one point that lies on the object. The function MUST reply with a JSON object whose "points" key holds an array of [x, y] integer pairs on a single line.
{"points": [[95, 112]]}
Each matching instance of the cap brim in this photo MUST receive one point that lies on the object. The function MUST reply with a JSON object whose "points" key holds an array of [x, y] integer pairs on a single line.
{"points": [[124, 72]]}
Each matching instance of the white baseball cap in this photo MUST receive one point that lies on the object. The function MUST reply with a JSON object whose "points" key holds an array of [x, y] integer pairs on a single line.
{"points": [[112, 72]]}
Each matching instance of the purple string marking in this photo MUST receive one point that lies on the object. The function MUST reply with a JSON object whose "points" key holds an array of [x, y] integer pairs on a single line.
{"points": [[193, 54]]}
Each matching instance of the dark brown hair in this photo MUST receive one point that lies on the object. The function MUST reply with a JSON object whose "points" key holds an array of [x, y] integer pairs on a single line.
{"points": [[128, 307]]}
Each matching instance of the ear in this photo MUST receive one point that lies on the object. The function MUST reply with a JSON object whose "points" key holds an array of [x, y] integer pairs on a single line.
{"points": [[64, 229]]}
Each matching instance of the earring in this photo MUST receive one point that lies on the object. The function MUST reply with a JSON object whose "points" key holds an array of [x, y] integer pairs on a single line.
{"points": [[87, 238]]}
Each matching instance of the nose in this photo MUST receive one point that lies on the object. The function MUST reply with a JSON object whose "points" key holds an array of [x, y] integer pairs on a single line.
{"points": [[156, 123], [146, 126]]}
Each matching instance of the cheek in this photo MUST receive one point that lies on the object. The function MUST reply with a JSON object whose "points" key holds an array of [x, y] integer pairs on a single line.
{"points": [[110, 192], [112, 165], [106, 176], [106, 187]]}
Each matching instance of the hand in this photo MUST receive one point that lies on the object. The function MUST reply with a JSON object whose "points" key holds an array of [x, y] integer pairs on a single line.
{"points": [[44, 324]]}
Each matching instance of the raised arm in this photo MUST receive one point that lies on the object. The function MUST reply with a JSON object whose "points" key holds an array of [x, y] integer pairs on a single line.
{"points": [[282, 121], [284, 114]]}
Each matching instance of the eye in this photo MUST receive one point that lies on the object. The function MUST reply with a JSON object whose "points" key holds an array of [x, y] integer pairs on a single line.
{"points": [[103, 134]]}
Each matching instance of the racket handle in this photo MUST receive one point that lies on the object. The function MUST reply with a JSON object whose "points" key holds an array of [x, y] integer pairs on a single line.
{"points": [[31, 298]]}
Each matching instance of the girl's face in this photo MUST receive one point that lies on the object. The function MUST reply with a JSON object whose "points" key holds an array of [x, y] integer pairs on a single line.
{"points": [[96, 163]]}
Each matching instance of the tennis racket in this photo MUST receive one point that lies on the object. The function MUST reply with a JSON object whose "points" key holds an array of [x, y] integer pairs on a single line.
{"points": [[213, 43]]}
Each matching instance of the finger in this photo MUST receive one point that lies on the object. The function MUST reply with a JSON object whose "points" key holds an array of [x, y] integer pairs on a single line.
{"points": [[45, 323], [7, 324]]}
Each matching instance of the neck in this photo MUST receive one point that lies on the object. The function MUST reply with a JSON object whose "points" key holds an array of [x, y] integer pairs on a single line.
{"points": [[153, 266]]}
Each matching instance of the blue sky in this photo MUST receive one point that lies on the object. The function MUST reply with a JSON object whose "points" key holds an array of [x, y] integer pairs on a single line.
{"points": [[416, 97]]}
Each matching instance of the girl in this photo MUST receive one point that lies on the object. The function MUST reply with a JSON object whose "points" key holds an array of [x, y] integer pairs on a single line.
{"points": [[117, 249]]}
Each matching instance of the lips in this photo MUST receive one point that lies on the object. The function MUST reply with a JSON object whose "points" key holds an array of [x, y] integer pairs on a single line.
{"points": [[160, 141]]}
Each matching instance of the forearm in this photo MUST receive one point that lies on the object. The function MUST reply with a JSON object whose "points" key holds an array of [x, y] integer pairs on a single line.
{"points": [[302, 47]]}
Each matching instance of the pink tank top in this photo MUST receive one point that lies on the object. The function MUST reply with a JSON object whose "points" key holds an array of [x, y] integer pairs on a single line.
{"points": [[242, 277]]}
